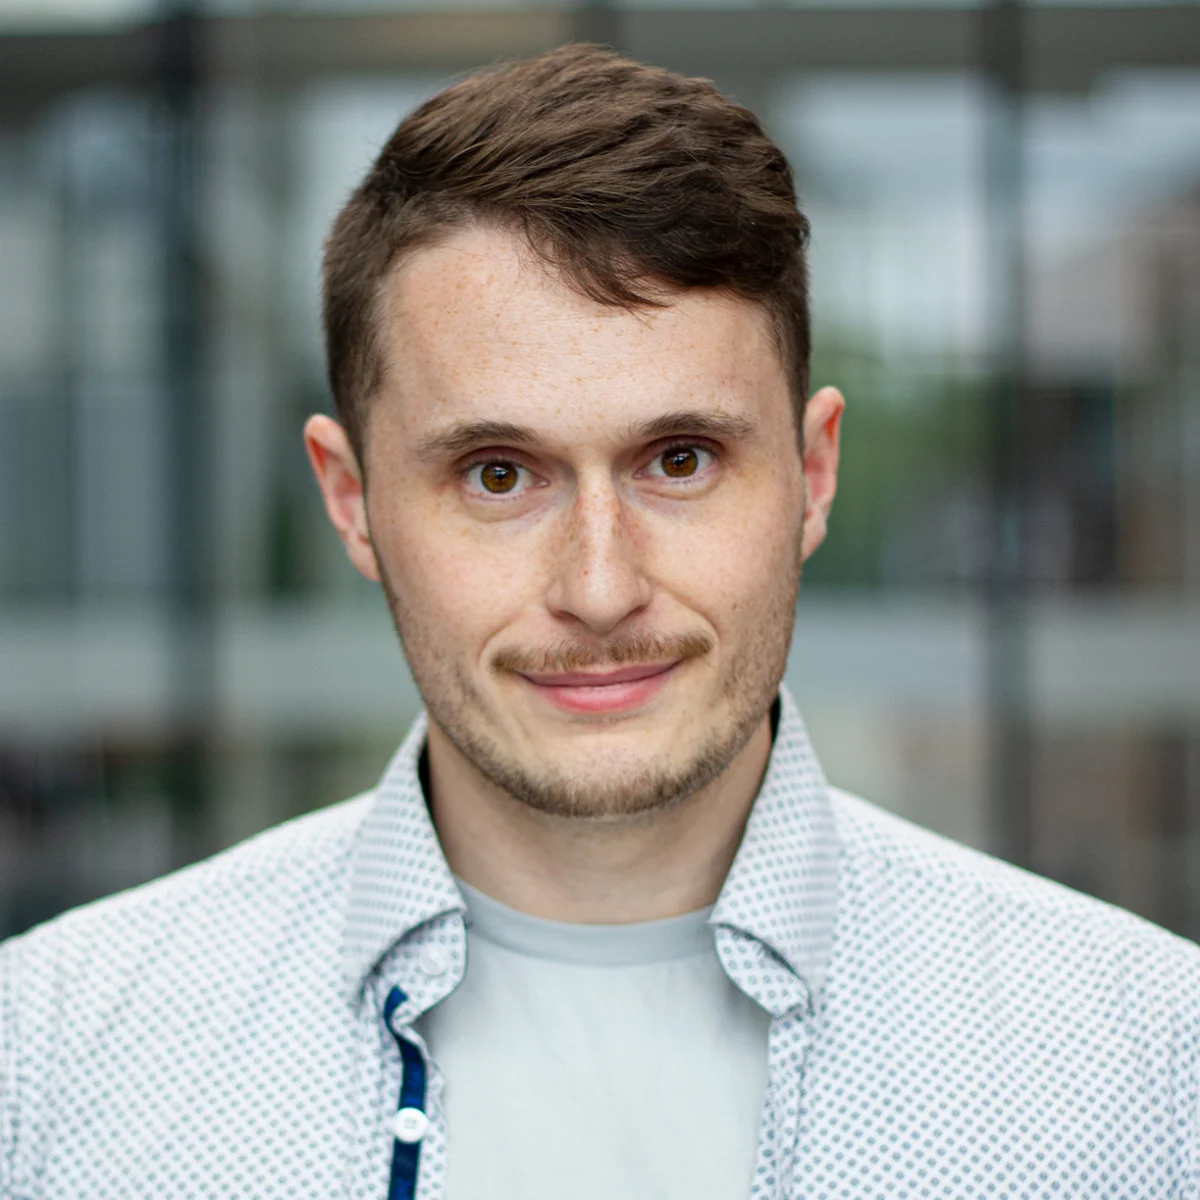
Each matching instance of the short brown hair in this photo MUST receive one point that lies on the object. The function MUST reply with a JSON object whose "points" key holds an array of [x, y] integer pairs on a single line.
{"points": [[626, 178]]}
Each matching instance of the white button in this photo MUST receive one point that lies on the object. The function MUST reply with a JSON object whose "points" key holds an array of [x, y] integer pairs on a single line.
{"points": [[433, 961], [409, 1125]]}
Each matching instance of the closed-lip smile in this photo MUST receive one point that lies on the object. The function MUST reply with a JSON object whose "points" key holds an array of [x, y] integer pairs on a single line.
{"points": [[598, 678], [602, 692]]}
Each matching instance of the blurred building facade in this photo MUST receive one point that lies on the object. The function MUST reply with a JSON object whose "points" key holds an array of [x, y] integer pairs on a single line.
{"points": [[1001, 639]]}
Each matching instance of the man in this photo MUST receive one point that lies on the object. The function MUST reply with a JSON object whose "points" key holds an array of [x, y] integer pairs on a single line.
{"points": [[602, 929]]}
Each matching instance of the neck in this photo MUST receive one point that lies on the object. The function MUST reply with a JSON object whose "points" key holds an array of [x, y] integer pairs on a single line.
{"points": [[645, 868]]}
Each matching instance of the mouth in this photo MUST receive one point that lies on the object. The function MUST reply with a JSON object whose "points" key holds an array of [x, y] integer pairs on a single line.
{"points": [[620, 690]]}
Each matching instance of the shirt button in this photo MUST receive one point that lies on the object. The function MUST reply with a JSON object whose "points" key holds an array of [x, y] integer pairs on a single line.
{"points": [[410, 1125], [433, 961]]}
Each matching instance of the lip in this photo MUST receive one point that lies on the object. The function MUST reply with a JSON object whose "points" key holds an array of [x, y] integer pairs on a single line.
{"points": [[621, 690], [599, 678]]}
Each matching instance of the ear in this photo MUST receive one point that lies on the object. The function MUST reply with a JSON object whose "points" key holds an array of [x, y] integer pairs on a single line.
{"points": [[339, 477], [822, 432]]}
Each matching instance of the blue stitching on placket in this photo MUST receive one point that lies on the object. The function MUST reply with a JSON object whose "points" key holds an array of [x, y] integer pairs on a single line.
{"points": [[405, 1155]]}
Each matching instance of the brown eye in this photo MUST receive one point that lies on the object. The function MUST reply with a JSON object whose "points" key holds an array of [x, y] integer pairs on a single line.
{"points": [[498, 478], [680, 462], [687, 465]]}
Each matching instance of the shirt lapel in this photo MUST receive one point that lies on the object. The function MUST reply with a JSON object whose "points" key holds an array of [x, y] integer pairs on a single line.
{"points": [[782, 889], [399, 877]]}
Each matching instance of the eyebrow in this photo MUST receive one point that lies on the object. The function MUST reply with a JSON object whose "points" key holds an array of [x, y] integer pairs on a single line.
{"points": [[687, 421], [469, 435]]}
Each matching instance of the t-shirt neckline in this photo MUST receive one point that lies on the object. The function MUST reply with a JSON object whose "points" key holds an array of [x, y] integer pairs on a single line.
{"points": [[638, 943]]}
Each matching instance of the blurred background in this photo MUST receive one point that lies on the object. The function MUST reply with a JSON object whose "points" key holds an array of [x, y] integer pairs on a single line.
{"points": [[1001, 638]]}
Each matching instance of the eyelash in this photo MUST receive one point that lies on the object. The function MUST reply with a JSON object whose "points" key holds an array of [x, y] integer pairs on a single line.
{"points": [[703, 447], [487, 461], [684, 481]]}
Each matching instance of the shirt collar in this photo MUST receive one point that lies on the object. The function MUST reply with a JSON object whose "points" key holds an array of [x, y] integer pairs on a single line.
{"points": [[399, 878], [781, 890]]}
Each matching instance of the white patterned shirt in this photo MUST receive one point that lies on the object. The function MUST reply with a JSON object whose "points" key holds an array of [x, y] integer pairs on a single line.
{"points": [[942, 1024]]}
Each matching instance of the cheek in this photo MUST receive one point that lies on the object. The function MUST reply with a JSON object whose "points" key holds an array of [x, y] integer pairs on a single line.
{"points": [[740, 571], [737, 566], [460, 585]]}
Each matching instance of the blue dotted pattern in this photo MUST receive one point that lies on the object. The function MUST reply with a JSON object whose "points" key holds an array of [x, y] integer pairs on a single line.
{"points": [[943, 1024]]}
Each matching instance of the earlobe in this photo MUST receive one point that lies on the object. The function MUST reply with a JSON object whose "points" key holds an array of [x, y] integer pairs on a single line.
{"points": [[814, 532], [339, 476]]}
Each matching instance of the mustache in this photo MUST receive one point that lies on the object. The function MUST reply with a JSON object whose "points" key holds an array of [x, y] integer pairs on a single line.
{"points": [[614, 652]]}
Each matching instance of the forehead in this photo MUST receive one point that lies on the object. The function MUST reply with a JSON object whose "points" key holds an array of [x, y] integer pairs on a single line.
{"points": [[478, 325]]}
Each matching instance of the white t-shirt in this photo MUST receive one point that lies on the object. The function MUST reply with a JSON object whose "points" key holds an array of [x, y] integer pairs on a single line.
{"points": [[597, 1061]]}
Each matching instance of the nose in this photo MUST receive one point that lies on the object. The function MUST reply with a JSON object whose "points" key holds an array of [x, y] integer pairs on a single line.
{"points": [[598, 580]]}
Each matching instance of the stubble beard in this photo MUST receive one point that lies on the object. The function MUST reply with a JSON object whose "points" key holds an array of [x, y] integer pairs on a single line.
{"points": [[751, 684]]}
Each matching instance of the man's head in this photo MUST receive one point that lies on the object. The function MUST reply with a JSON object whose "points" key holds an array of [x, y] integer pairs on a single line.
{"points": [[567, 334]]}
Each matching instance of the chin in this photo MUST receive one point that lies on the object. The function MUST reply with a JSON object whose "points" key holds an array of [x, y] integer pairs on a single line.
{"points": [[612, 777]]}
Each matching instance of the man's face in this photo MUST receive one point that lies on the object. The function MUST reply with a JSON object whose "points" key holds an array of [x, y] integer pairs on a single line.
{"points": [[589, 524]]}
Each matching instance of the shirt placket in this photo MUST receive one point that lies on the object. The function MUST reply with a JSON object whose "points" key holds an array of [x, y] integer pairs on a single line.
{"points": [[770, 983], [404, 1126], [788, 1046]]}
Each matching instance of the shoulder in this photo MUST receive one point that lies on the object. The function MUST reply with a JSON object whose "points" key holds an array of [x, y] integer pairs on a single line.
{"points": [[1000, 1025], [918, 889], [159, 991], [213, 915]]}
